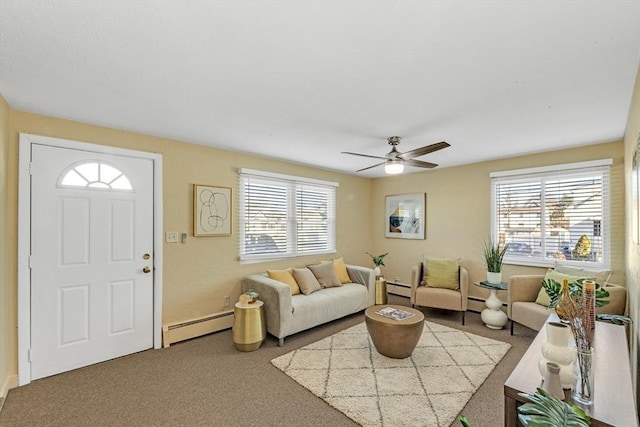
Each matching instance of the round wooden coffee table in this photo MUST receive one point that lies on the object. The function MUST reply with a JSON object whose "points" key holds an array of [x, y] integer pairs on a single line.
{"points": [[394, 338]]}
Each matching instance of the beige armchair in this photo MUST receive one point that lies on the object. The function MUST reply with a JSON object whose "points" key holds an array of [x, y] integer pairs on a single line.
{"points": [[522, 308], [448, 299]]}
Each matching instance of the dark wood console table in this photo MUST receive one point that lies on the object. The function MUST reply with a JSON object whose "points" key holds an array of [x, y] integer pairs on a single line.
{"points": [[613, 403]]}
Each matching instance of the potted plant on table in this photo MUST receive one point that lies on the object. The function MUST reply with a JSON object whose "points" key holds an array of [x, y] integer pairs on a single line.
{"points": [[493, 256], [378, 260]]}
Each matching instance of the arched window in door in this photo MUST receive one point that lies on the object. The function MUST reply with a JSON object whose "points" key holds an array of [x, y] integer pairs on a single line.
{"points": [[95, 174]]}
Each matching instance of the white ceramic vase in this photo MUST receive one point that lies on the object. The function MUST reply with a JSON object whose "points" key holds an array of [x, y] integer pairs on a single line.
{"points": [[377, 271], [494, 278], [556, 350], [552, 383]]}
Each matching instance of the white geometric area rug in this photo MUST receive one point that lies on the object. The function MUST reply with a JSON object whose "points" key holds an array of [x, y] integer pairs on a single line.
{"points": [[429, 388]]}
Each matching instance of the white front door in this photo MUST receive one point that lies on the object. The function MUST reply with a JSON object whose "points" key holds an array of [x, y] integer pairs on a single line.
{"points": [[91, 258]]}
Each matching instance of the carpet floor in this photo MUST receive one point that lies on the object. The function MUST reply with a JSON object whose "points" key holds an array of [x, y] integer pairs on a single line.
{"points": [[207, 382], [429, 388]]}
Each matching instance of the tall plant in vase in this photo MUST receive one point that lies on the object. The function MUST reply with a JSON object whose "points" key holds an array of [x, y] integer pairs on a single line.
{"points": [[493, 257], [378, 260]]}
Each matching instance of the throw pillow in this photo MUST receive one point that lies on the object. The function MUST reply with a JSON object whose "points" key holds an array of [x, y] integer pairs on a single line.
{"points": [[306, 280], [341, 270], [600, 276], [442, 273], [285, 276], [543, 298], [326, 274]]}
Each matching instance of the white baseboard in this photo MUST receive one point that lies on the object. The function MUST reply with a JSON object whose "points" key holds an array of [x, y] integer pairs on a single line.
{"points": [[10, 382]]}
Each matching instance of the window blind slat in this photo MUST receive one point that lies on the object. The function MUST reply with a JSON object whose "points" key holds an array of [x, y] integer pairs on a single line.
{"points": [[285, 217], [555, 215]]}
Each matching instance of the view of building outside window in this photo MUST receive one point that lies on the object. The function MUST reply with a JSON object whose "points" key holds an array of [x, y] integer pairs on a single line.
{"points": [[552, 218], [286, 218]]}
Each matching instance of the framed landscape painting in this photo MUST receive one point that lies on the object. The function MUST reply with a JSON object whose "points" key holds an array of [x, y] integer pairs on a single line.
{"points": [[405, 216], [211, 210]]}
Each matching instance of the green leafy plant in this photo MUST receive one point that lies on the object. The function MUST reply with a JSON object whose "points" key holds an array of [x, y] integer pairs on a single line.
{"points": [[493, 256], [554, 290], [378, 260], [544, 410], [616, 319], [464, 421]]}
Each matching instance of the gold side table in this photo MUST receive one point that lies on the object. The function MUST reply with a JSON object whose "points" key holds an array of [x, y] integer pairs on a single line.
{"points": [[381, 291], [249, 328]]}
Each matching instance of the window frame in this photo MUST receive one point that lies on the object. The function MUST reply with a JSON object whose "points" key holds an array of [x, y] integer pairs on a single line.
{"points": [[547, 173], [293, 184]]}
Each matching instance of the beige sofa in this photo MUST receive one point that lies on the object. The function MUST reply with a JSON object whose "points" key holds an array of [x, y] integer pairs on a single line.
{"points": [[522, 308], [287, 314]]}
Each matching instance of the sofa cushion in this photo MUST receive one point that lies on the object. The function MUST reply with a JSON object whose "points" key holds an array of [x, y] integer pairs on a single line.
{"points": [[341, 270], [442, 273], [306, 280], [600, 276], [530, 314], [285, 276], [326, 274], [328, 304]]}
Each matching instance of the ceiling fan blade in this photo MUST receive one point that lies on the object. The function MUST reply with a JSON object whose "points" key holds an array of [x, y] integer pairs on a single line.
{"points": [[371, 167], [423, 150], [364, 155], [420, 164]]}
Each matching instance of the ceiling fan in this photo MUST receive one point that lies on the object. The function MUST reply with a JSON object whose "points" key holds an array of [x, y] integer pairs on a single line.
{"points": [[395, 161]]}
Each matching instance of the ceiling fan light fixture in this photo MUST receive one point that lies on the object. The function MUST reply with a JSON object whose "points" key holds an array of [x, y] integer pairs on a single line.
{"points": [[394, 167]]}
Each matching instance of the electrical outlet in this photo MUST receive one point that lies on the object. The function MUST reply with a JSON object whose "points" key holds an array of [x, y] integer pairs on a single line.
{"points": [[226, 302], [171, 237]]}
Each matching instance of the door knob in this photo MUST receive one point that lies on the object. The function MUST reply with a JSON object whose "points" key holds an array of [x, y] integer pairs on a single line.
{"points": [[146, 256], [146, 269]]}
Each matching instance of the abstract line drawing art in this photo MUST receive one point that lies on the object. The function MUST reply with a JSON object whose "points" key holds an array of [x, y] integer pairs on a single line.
{"points": [[211, 210]]}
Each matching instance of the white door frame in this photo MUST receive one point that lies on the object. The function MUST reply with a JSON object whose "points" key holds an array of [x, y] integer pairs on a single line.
{"points": [[24, 238]]}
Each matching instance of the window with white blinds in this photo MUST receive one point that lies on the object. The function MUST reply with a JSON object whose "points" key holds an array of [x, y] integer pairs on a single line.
{"points": [[285, 216], [550, 214]]}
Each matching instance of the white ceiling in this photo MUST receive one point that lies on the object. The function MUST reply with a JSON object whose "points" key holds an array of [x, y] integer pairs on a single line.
{"points": [[304, 80]]}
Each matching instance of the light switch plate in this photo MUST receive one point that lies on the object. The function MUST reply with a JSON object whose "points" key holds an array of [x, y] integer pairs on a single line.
{"points": [[171, 237]]}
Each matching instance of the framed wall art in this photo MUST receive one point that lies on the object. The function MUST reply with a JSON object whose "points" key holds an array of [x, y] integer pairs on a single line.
{"points": [[405, 216], [211, 210]]}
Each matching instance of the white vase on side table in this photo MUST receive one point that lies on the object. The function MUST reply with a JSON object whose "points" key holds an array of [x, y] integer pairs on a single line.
{"points": [[494, 278], [493, 316]]}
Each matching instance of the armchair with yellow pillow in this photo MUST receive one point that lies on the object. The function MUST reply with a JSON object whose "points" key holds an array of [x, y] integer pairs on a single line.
{"points": [[440, 283], [528, 303]]}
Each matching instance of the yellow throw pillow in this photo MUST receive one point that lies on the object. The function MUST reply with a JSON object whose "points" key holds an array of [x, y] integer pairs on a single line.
{"points": [[442, 273], [285, 276], [543, 298], [341, 270]]}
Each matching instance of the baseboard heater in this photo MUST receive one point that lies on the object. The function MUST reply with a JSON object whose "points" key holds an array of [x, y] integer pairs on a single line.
{"points": [[180, 331]]}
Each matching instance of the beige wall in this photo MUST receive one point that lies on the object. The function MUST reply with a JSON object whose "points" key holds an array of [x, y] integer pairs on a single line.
{"points": [[199, 274], [631, 142], [7, 291], [458, 217]]}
